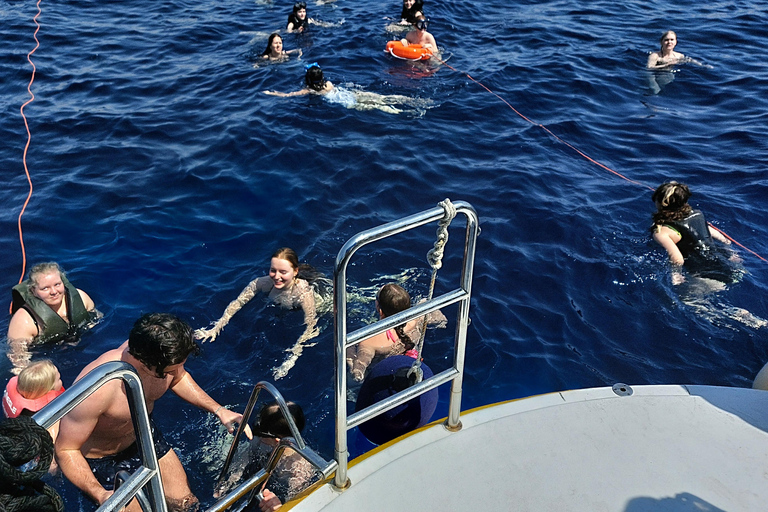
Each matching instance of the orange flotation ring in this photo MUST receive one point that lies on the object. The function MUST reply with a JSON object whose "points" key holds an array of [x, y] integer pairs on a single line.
{"points": [[410, 52]]}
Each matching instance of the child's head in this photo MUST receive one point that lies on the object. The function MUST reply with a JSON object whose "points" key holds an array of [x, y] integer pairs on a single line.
{"points": [[38, 378], [314, 78], [272, 423], [34, 388], [671, 196], [392, 299]]}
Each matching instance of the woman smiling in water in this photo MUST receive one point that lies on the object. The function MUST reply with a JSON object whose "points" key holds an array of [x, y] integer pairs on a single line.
{"points": [[288, 285], [667, 56]]}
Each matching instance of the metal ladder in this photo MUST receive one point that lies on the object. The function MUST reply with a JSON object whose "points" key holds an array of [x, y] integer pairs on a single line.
{"points": [[343, 340], [145, 483]]}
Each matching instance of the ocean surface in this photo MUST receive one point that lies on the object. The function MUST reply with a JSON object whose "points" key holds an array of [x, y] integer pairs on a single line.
{"points": [[164, 179]]}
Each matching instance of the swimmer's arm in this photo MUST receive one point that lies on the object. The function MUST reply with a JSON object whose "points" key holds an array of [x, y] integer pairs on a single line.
{"points": [[718, 236], [21, 333], [289, 28], [190, 391], [301, 92], [236, 305], [366, 351], [432, 44], [75, 429], [295, 50], [675, 256]]}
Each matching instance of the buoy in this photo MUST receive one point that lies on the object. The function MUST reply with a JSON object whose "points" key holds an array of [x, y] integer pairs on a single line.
{"points": [[410, 52], [384, 380]]}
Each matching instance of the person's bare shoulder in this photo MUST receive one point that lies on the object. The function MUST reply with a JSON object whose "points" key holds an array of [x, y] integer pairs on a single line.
{"points": [[106, 357]]}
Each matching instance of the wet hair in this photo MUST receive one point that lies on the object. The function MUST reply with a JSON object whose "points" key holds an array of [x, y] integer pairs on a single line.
{"points": [[37, 379], [671, 200], [272, 423], [314, 78], [294, 18], [268, 51], [409, 15], [42, 269], [160, 340], [393, 299]]}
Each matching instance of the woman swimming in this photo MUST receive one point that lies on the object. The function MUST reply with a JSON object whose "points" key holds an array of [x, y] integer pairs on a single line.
{"points": [[298, 20], [288, 285], [315, 83], [391, 299], [681, 230], [412, 11], [667, 56], [275, 51]]}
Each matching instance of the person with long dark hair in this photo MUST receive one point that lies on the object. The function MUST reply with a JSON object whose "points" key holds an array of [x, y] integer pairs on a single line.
{"points": [[275, 51]]}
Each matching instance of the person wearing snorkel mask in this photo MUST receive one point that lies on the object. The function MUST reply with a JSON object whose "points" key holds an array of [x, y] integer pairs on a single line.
{"points": [[314, 82], [419, 35], [298, 20]]}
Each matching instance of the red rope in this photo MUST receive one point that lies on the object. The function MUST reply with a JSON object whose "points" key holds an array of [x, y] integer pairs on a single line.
{"points": [[581, 153], [29, 140]]}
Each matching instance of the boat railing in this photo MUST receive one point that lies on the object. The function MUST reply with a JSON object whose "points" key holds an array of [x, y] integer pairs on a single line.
{"points": [[295, 443], [343, 340], [147, 476]]}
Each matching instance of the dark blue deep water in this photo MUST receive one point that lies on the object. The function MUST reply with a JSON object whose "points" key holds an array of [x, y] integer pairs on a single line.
{"points": [[164, 179]]}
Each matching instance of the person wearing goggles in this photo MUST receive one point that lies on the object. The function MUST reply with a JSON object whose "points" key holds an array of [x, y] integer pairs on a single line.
{"points": [[419, 35]]}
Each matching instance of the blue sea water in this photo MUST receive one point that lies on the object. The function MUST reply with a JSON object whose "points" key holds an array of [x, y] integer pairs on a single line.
{"points": [[164, 179]]}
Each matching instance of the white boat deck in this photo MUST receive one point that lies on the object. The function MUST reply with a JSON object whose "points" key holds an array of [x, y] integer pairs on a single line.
{"points": [[664, 448]]}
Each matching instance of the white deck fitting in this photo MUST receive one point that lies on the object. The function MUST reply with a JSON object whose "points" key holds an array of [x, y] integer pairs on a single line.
{"points": [[665, 448]]}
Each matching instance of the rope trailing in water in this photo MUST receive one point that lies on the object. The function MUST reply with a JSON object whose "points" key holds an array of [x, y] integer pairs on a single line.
{"points": [[435, 260], [26, 147], [26, 451], [581, 153]]}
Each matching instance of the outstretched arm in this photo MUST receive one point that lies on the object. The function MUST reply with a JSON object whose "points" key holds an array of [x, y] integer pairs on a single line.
{"points": [[188, 390], [236, 305], [718, 235], [307, 299], [301, 92]]}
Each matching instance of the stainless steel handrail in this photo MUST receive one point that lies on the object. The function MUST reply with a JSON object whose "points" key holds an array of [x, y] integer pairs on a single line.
{"points": [[343, 340], [272, 390], [260, 478], [146, 475], [296, 443]]}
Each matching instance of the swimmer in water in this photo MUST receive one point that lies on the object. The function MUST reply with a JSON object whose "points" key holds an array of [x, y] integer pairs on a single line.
{"points": [[419, 35], [677, 227], [667, 56], [315, 83], [391, 299], [298, 20], [412, 11], [400, 340], [274, 50], [289, 285], [692, 243]]}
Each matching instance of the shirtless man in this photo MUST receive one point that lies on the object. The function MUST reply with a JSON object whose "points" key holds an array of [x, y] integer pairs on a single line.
{"points": [[420, 36], [96, 439], [46, 308]]}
